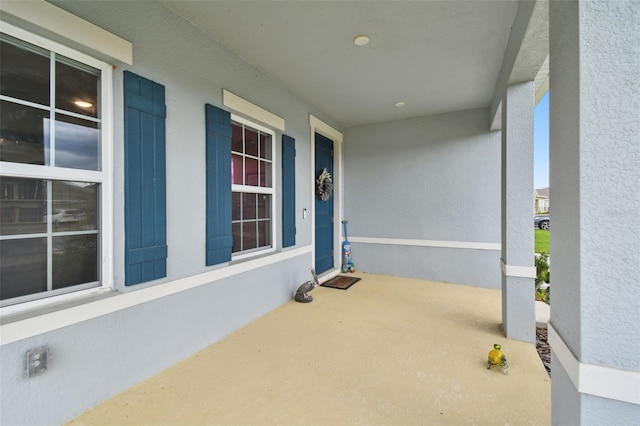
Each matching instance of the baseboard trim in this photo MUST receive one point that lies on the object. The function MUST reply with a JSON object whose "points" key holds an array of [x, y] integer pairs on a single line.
{"points": [[469, 245], [597, 380]]}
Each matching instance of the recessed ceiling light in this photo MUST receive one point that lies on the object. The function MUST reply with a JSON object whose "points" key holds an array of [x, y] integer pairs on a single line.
{"points": [[399, 104], [83, 104], [361, 40]]}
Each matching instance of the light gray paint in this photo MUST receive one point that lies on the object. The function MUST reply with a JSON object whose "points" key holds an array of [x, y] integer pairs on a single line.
{"points": [[95, 359], [610, 182], [436, 56], [524, 55], [594, 181], [564, 171], [565, 401], [427, 178], [459, 266], [518, 308], [194, 69], [517, 175]]}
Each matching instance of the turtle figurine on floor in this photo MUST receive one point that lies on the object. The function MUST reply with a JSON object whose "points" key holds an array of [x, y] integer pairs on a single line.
{"points": [[496, 357]]}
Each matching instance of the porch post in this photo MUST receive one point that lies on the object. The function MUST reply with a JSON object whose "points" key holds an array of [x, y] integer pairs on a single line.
{"points": [[594, 58], [518, 272]]}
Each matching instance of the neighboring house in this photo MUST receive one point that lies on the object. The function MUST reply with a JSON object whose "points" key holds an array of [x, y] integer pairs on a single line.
{"points": [[192, 133], [541, 203]]}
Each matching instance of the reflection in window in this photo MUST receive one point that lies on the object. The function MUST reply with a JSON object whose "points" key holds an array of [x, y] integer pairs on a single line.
{"points": [[77, 143], [75, 260], [50, 117], [76, 87], [22, 133], [24, 202], [60, 217], [24, 71], [75, 206], [25, 131], [23, 267]]}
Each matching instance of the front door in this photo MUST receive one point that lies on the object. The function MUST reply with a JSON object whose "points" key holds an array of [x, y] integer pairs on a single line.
{"points": [[324, 209]]}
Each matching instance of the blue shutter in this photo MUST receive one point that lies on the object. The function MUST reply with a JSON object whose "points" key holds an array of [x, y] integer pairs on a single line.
{"points": [[219, 238], [145, 184], [288, 191]]}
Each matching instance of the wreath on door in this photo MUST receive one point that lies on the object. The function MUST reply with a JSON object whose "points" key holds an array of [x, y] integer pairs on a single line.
{"points": [[324, 185]]}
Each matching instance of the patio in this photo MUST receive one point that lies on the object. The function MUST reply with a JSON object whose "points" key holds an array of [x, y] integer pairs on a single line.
{"points": [[387, 351]]}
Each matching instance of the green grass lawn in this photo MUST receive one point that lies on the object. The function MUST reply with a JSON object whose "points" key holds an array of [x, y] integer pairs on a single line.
{"points": [[541, 241]]}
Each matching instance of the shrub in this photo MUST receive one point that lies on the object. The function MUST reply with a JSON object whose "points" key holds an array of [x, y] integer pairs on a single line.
{"points": [[542, 276]]}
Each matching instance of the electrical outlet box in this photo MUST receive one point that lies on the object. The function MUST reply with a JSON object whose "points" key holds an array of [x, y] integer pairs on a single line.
{"points": [[37, 361]]}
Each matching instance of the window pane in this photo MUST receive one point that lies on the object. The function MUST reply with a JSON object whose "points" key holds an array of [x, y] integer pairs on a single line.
{"points": [[264, 206], [235, 206], [236, 138], [77, 143], [265, 174], [251, 172], [265, 146], [75, 206], [24, 131], [77, 88], [24, 73], [23, 206], [23, 267], [249, 237], [236, 169], [264, 233], [75, 260], [251, 142], [236, 231], [248, 206]]}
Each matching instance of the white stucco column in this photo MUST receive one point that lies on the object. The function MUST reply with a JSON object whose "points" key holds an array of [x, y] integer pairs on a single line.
{"points": [[518, 272], [594, 330]]}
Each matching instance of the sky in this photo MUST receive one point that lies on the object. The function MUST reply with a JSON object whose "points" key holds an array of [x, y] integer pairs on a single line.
{"points": [[541, 143]]}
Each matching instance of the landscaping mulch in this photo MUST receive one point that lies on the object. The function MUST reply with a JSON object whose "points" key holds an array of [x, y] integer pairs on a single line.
{"points": [[543, 348]]}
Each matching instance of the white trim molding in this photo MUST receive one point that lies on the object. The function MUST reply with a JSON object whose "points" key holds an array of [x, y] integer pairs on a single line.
{"points": [[54, 20], [323, 128], [469, 245], [23, 329], [592, 379], [518, 271], [251, 110]]}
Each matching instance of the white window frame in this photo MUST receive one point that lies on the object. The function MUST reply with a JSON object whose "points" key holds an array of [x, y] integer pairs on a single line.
{"points": [[104, 177], [273, 190]]}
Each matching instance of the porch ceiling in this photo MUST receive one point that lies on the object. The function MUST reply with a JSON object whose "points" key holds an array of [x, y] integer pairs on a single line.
{"points": [[436, 56]]}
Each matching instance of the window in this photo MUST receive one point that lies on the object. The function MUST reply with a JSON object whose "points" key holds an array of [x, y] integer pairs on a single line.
{"points": [[252, 187], [53, 156]]}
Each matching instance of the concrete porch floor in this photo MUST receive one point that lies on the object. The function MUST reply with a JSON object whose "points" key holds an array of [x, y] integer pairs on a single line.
{"points": [[389, 350]]}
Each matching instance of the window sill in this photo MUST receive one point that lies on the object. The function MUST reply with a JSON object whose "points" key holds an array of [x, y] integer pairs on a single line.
{"points": [[253, 256], [33, 322], [24, 311]]}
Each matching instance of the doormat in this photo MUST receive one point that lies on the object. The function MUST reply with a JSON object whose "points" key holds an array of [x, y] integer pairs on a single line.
{"points": [[342, 282]]}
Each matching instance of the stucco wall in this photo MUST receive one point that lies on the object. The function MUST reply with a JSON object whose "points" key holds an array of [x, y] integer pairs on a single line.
{"points": [[194, 69], [97, 358], [594, 175], [430, 179]]}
